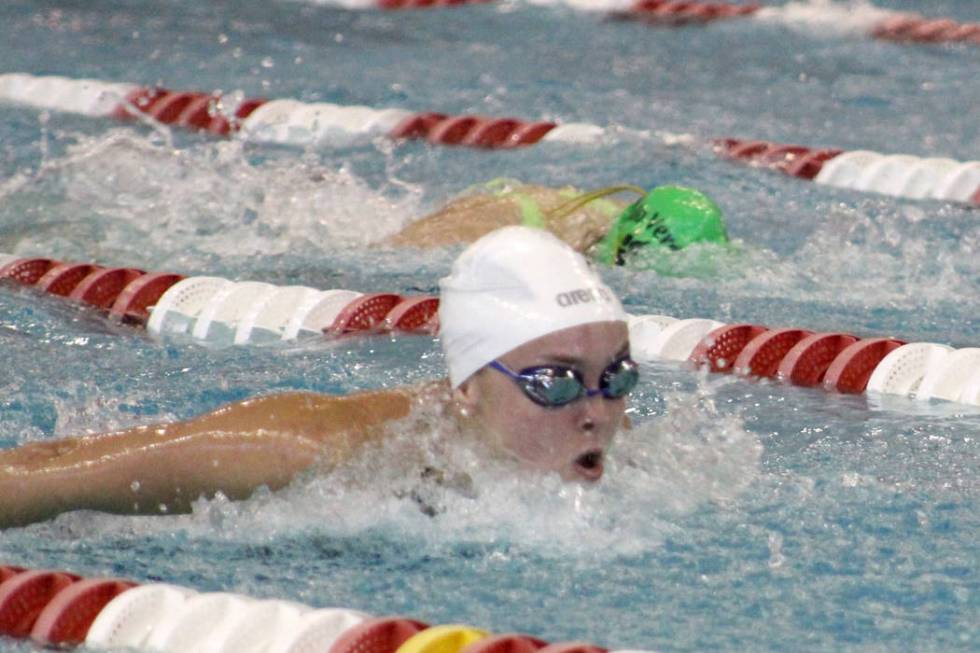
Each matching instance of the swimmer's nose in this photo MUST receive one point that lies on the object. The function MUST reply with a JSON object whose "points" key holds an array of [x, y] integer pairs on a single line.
{"points": [[596, 412]]}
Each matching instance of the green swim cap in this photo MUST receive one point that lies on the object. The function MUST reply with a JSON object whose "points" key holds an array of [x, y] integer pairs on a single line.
{"points": [[668, 216]]}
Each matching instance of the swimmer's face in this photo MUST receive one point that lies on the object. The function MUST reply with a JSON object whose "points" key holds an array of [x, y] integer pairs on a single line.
{"points": [[571, 440]]}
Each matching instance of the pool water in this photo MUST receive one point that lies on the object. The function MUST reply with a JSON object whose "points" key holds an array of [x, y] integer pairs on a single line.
{"points": [[735, 515]]}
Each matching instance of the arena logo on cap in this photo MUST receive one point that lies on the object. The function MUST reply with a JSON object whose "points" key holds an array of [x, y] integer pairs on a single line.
{"points": [[583, 296]]}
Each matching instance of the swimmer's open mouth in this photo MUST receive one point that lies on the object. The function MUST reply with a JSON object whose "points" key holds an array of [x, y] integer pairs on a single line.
{"points": [[589, 464]]}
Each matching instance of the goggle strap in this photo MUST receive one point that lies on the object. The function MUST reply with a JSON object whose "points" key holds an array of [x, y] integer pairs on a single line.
{"points": [[573, 205]]}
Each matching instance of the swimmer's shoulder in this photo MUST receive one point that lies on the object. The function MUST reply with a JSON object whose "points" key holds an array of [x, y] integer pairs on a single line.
{"points": [[315, 414]]}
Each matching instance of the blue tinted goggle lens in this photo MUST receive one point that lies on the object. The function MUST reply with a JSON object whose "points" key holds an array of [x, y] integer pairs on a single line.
{"points": [[556, 385]]}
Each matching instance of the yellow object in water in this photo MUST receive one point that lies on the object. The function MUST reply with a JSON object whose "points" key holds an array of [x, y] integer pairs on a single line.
{"points": [[442, 639]]}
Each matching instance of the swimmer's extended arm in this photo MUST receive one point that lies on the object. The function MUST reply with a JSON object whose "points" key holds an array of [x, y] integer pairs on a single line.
{"points": [[163, 468]]}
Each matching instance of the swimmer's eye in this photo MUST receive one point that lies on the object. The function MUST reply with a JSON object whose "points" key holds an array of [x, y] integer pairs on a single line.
{"points": [[553, 386]]}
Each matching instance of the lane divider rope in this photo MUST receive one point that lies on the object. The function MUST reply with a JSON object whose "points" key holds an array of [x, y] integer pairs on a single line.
{"points": [[900, 27], [674, 13], [895, 174], [225, 312], [289, 122], [61, 609], [897, 27]]}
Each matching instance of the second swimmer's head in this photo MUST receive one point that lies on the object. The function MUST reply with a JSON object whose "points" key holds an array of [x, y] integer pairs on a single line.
{"points": [[537, 349], [670, 217]]}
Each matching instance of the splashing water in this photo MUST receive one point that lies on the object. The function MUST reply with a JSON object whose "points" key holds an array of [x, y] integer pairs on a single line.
{"points": [[430, 488], [118, 190]]}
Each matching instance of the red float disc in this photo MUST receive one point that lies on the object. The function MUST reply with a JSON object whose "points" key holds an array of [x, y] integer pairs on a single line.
{"points": [[852, 368], [417, 126], [170, 105], [747, 149], [647, 5], [454, 130], [529, 133], [809, 165], [101, 287], [762, 355], [246, 108], [220, 125], [135, 300], [721, 346], [69, 614], [383, 635], [9, 572], [23, 596], [785, 152], [62, 278], [492, 133], [412, 315], [808, 360], [27, 270], [364, 313], [745, 10], [198, 113], [508, 643]]}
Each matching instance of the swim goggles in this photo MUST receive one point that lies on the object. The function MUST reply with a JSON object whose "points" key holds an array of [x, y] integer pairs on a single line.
{"points": [[553, 386]]}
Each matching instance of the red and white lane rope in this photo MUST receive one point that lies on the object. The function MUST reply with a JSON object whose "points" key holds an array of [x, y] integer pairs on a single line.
{"points": [[882, 24], [284, 122], [219, 310], [913, 28], [290, 122], [890, 174], [225, 312], [57, 608], [835, 361], [876, 23]]}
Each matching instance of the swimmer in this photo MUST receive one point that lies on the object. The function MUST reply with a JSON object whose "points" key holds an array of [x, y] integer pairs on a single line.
{"points": [[539, 372], [594, 223]]}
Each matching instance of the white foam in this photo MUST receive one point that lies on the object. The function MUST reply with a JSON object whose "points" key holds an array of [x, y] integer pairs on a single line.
{"points": [[691, 456], [170, 206]]}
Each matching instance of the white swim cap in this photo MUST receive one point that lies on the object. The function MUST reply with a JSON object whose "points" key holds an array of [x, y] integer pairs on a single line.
{"points": [[511, 286]]}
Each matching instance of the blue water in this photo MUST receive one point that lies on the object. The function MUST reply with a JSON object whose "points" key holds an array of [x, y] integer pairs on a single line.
{"points": [[736, 515]]}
